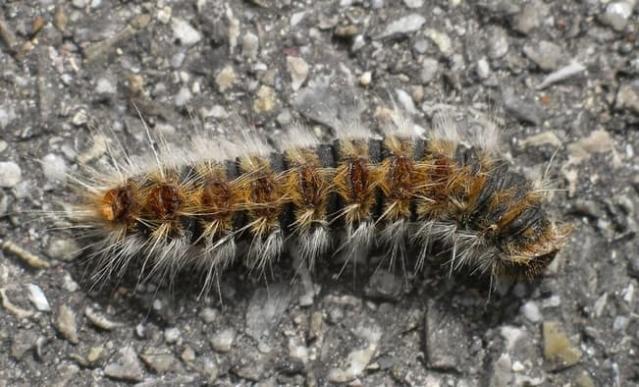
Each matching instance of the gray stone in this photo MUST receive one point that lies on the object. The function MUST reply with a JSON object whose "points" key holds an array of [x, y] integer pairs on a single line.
{"points": [[446, 339], [548, 56], [528, 19], [429, 70], [7, 115], [159, 360], [127, 368], [421, 45], [633, 267], [178, 59], [328, 102], [403, 26], [251, 367], [22, 342], [265, 309], [441, 40], [502, 375], [10, 174], [628, 97], [4, 203], [498, 45], [384, 285], [358, 359], [523, 110], [620, 323]]}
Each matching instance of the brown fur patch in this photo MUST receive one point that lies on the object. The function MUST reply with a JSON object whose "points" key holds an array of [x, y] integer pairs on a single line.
{"points": [[120, 205]]}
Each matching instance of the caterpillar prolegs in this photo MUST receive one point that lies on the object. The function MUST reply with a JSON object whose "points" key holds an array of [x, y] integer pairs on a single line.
{"points": [[409, 195]]}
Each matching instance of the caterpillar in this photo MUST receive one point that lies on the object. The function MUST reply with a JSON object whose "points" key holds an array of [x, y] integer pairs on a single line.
{"points": [[399, 191]]}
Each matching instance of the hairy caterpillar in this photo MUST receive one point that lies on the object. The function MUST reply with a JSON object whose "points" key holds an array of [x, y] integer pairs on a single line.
{"points": [[219, 199]]}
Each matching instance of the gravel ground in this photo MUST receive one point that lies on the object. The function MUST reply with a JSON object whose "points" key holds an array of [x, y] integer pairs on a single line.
{"points": [[565, 75]]}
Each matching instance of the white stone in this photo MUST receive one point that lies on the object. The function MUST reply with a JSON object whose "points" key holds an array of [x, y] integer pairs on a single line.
{"points": [[54, 168], [171, 335], [530, 310], [10, 174], [184, 32], [298, 69], [37, 297], [223, 340], [414, 3], [405, 25], [183, 96]]}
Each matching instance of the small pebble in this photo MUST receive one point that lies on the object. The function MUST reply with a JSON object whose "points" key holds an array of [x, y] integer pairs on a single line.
{"points": [[225, 78], [547, 55], [183, 96], [528, 19], [10, 174], [358, 359], [628, 97], [441, 40], [429, 70], [66, 324], [298, 69], [265, 101], [208, 315], [404, 25], [617, 14], [128, 368], [558, 349], [184, 32], [63, 249], [105, 86], [100, 320], [366, 78], [413, 3], [38, 299], [160, 361], [250, 45], [7, 115], [171, 335], [22, 342], [54, 168], [530, 310], [223, 341], [164, 14], [483, 68]]}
